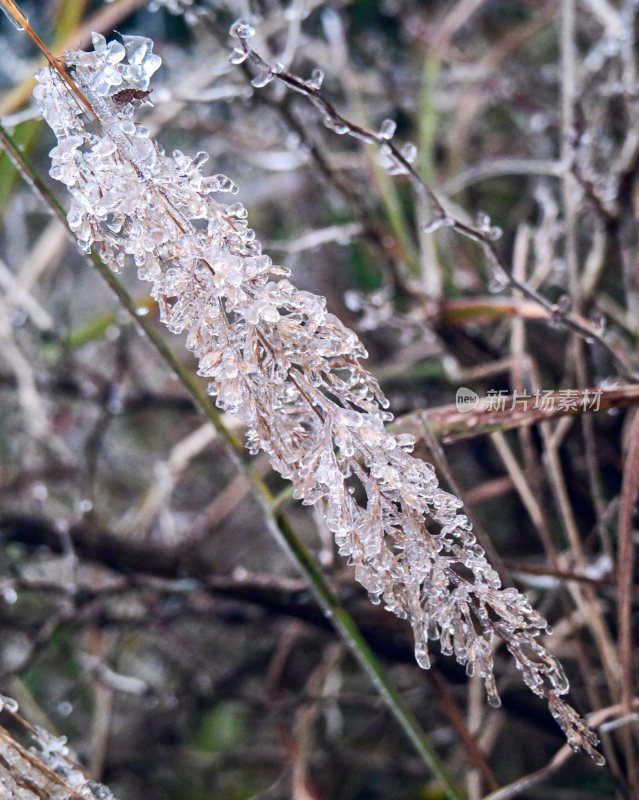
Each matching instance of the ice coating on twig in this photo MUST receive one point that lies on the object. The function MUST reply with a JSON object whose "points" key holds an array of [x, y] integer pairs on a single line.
{"points": [[290, 370]]}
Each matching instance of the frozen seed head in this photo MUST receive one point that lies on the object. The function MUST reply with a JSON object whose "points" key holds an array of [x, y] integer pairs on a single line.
{"points": [[289, 369]]}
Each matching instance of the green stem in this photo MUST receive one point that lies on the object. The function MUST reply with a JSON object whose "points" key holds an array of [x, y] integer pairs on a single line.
{"points": [[278, 524]]}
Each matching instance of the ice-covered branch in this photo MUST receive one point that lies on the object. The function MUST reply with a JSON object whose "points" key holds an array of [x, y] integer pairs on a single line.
{"points": [[46, 769], [399, 161]]}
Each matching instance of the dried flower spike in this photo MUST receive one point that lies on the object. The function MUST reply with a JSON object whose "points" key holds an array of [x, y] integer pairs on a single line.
{"points": [[290, 370]]}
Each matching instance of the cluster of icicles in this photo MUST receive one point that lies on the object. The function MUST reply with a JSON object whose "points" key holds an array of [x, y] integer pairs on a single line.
{"points": [[277, 359]]}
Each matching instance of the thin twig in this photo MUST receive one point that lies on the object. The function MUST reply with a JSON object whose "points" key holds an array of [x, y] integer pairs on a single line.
{"points": [[484, 235]]}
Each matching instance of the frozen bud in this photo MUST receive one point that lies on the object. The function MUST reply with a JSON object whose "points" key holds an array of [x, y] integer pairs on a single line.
{"points": [[409, 151], [490, 231], [438, 222], [238, 56], [316, 79], [387, 129], [263, 76], [8, 703], [243, 30], [482, 220], [223, 184], [336, 125]]}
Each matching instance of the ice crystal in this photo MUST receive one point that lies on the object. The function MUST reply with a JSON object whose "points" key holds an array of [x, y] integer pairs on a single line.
{"points": [[53, 752], [278, 359], [387, 129], [316, 79], [45, 770], [8, 703], [409, 152]]}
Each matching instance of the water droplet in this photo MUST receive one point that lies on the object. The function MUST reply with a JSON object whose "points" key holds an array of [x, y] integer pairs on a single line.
{"points": [[240, 574]]}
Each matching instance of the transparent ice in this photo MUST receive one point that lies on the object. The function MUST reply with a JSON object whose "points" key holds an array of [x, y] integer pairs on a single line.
{"points": [[289, 369]]}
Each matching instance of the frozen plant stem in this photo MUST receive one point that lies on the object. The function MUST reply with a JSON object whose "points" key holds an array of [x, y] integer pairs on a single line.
{"points": [[290, 370], [278, 524]]}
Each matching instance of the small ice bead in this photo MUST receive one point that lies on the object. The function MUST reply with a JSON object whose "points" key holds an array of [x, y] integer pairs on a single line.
{"points": [[269, 313], [224, 184], [137, 48], [237, 210], [336, 125], [8, 703], [115, 52], [409, 151], [406, 441], [421, 656], [316, 79], [263, 77], [436, 223], [99, 43], [482, 220], [74, 218], [387, 129], [242, 29], [238, 56], [104, 147]]}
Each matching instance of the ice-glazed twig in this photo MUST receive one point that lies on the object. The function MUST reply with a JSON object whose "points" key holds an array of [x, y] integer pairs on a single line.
{"points": [[399, 161]]}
